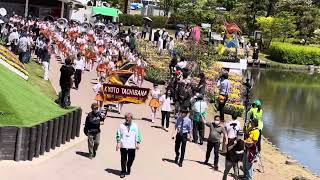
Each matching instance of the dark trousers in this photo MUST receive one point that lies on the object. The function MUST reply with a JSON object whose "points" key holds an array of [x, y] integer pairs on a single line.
{"points": [[221, 108], [165, 116], [65, 96], [198, 128], [164, 44], [77, 77], [259, 141], [216, 147], [23, 57], [143, 35], [181, 141], [127, 158]]}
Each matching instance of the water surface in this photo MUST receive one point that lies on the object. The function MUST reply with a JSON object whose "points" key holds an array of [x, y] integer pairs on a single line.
{"points": [[291, 113]]}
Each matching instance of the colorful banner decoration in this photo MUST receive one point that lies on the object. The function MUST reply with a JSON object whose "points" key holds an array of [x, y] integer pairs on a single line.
{"points": [[124, 94], [10, 61]]}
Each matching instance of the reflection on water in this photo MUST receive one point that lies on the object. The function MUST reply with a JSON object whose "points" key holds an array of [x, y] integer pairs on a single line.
{"points": [[291, 113]]}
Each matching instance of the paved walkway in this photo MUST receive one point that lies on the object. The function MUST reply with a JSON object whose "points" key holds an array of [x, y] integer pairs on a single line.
{"points": [[153, 161]]}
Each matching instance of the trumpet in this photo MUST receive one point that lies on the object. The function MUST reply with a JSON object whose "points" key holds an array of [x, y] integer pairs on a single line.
{"points": [[85, 27]]}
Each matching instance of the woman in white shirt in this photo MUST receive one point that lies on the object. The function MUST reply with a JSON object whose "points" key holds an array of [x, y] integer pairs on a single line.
{"points": [[165, 101], [154, 102]]}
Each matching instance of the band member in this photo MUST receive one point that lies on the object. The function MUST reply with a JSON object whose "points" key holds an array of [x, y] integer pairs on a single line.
{"points": [[154, 102], [98, 89], [102, 66]]}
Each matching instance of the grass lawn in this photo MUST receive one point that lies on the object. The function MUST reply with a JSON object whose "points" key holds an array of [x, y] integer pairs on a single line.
{"points": [[26, 103]]}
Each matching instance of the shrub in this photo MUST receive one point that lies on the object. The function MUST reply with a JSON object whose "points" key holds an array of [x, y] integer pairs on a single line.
{"points": [[156, 75], [294, 54]]}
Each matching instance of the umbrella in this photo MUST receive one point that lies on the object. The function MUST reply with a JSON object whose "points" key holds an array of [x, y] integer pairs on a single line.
{"points": [[49, 18], [180, 26], [147, 19]]}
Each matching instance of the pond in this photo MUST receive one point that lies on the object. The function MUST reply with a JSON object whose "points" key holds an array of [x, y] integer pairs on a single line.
{"points": [[291, 113]]}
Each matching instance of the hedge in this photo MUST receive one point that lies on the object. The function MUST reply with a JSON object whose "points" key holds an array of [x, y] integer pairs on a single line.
{"points": [[294, 54], [157, 21], [157, 75]]}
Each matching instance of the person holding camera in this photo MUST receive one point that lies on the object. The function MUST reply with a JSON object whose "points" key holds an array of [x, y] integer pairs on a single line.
{"points": [[92, 129], [67, 71], [234, 154], [216, 130], [182, 133]]}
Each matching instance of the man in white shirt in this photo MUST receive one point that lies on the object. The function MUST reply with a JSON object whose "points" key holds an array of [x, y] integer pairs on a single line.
{"points": [[233, 127], [79, 65], [23, 48]]}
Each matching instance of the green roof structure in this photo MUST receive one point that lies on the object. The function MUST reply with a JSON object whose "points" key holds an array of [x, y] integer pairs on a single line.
{"points": [[105, 11]]}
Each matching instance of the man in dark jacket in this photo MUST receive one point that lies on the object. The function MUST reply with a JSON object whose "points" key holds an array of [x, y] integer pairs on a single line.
{"points": [[67, 72], [92, 129]]}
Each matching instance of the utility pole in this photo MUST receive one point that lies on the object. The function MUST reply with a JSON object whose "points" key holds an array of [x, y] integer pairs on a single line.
{"points": [[26, 9]]}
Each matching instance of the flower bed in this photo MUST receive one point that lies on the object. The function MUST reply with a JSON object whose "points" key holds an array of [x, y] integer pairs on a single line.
{"points": [[157, 72]]}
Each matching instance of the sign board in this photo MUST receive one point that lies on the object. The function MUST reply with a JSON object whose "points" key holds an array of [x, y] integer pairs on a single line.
{"points": [[124, 94]]}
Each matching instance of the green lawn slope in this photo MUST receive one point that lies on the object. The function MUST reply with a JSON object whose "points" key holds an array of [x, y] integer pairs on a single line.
{"points": [[26, 103]]}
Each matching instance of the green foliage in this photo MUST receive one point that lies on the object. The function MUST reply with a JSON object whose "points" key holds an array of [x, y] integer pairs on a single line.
{"points": [[294, 54], [156, 75]]}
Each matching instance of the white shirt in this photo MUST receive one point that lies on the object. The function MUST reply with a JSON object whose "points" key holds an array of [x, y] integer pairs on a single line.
{"points": [[79, 64], [165, 103], [23, 44], [232, 132], [155, 93], [200, 106], [182, 64]]}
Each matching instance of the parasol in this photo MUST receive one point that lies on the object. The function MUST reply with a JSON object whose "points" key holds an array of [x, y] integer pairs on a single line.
{"points": [[147, 19], [180, 26]]}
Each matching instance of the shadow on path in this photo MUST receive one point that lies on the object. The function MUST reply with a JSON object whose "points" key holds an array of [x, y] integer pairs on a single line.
{"points": [[113, 171], [168, 160], [84, 154]]}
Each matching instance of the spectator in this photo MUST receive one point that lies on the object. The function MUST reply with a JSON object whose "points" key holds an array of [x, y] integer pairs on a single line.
{"points": [[46, 60], [23, 48], [224, 89], [182, 133], [165, 101], [199, 113], [92, 129], [128, 141], [216, 129], [234, 155], [67, 71]]}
